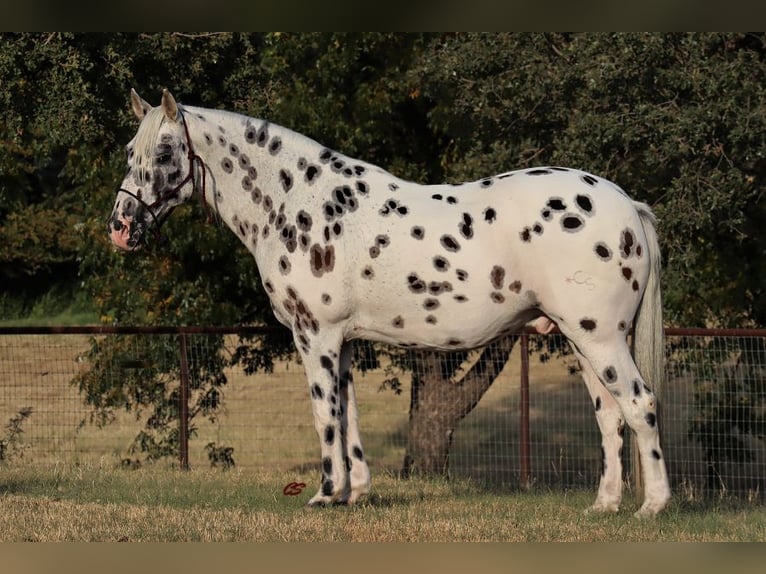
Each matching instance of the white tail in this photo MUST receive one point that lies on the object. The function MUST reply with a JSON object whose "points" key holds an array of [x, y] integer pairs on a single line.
{"points": [[648, 333]]}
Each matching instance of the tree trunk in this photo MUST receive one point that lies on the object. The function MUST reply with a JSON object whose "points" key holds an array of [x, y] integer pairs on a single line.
{"points": [[440, 399]]}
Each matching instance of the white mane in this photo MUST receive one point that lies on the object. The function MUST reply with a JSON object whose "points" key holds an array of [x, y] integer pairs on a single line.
{"points": [[145, 141]]}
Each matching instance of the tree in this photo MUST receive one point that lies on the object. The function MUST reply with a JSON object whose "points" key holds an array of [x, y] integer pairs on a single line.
{"points": [[676, 119]]}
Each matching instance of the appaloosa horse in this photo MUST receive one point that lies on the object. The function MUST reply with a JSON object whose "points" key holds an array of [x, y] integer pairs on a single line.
{"points": [[346, 250]]}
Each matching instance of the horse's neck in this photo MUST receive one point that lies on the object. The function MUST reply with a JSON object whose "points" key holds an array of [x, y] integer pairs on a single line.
{"points": [[251, 164]]}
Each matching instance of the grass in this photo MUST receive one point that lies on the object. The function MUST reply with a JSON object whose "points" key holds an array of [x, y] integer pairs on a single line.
{"points": [[66, 483], [56, 307], [90, 503]]}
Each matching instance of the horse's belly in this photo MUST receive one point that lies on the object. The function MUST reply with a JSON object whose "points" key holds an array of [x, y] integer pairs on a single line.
{"points": [[451, 329]]}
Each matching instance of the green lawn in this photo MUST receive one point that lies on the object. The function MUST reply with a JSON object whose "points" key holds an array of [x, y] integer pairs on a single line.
{"points": [[82, 503]]}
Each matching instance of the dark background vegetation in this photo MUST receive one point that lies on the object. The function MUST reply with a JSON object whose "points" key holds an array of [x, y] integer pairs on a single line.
{"points": [[677, 119]]}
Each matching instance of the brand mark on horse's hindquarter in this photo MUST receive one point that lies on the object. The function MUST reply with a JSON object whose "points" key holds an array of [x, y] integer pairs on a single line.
{"points": [[580, 278]]}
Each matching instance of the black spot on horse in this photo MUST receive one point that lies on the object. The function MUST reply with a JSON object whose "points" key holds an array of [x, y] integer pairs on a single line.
{"points": [[588, 324], [304, 221], [418, 232], [275, 145], [327, 363], [610, 375], [329, 434], [589, 180], [312, 172], [317, 392], [439, 287], [357, 452], [571, 222], [627, 240], [651, 419], [627, 272], [656, 454], [440, 263], [416, 284], [497, 297], [556, 204], [490, 215], [602, 251], [539, 172], [585, 204], [263, 135], [449, 243], [497, 276], [466, 226]]}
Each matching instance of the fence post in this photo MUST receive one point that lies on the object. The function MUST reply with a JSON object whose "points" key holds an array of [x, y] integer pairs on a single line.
{"points": [[524, 414], [183, 409]]}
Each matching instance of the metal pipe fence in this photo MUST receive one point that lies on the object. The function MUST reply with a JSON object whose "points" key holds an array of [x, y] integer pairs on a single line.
{"points": [[534, 425]]}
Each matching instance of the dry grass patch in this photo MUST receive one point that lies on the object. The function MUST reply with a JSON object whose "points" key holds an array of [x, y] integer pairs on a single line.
{"points": [[90, 504]]}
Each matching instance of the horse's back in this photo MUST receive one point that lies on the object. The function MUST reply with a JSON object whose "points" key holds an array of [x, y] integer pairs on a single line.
{"points": [[453, 266]]}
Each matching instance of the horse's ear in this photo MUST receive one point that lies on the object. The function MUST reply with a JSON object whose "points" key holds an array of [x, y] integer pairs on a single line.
{"points": [[169, 105], [140, 106]]}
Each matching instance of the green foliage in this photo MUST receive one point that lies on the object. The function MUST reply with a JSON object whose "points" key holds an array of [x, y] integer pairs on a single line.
{"points": [[11, 444], [220, 456], [677, 119]]}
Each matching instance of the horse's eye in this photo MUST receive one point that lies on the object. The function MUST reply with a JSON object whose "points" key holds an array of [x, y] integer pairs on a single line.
{"points": [[163, 159]]}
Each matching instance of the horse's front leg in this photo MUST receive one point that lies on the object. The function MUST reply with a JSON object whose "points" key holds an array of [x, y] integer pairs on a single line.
{"points": [[352, 440], [322, 365]]}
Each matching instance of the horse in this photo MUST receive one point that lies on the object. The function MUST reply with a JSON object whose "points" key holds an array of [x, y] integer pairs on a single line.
{"points": [[346, 250]]}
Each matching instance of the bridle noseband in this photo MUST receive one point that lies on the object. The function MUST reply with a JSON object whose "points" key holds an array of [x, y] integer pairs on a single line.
{"points": [[173, 193]]}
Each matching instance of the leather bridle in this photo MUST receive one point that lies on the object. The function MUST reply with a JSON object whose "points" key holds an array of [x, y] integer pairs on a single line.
{"points": [[173, 193]]}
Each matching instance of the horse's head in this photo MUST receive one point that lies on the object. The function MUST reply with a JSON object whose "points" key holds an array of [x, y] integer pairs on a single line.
{"points": [[161, 166]]}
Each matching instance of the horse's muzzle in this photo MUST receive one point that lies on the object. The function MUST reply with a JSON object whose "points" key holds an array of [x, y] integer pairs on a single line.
{"points": [[125, 233]]}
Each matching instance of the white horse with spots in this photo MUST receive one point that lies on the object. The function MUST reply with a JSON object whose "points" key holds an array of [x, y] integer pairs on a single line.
{"points": [[345, 250]]}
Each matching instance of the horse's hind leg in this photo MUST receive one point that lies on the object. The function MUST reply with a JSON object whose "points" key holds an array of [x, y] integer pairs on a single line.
{"points": [[611, 423], [352, 442], [614, 366]]}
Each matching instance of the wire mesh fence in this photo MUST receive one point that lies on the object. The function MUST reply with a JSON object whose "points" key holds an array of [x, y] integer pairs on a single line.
{"points": [[75, 396]]}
